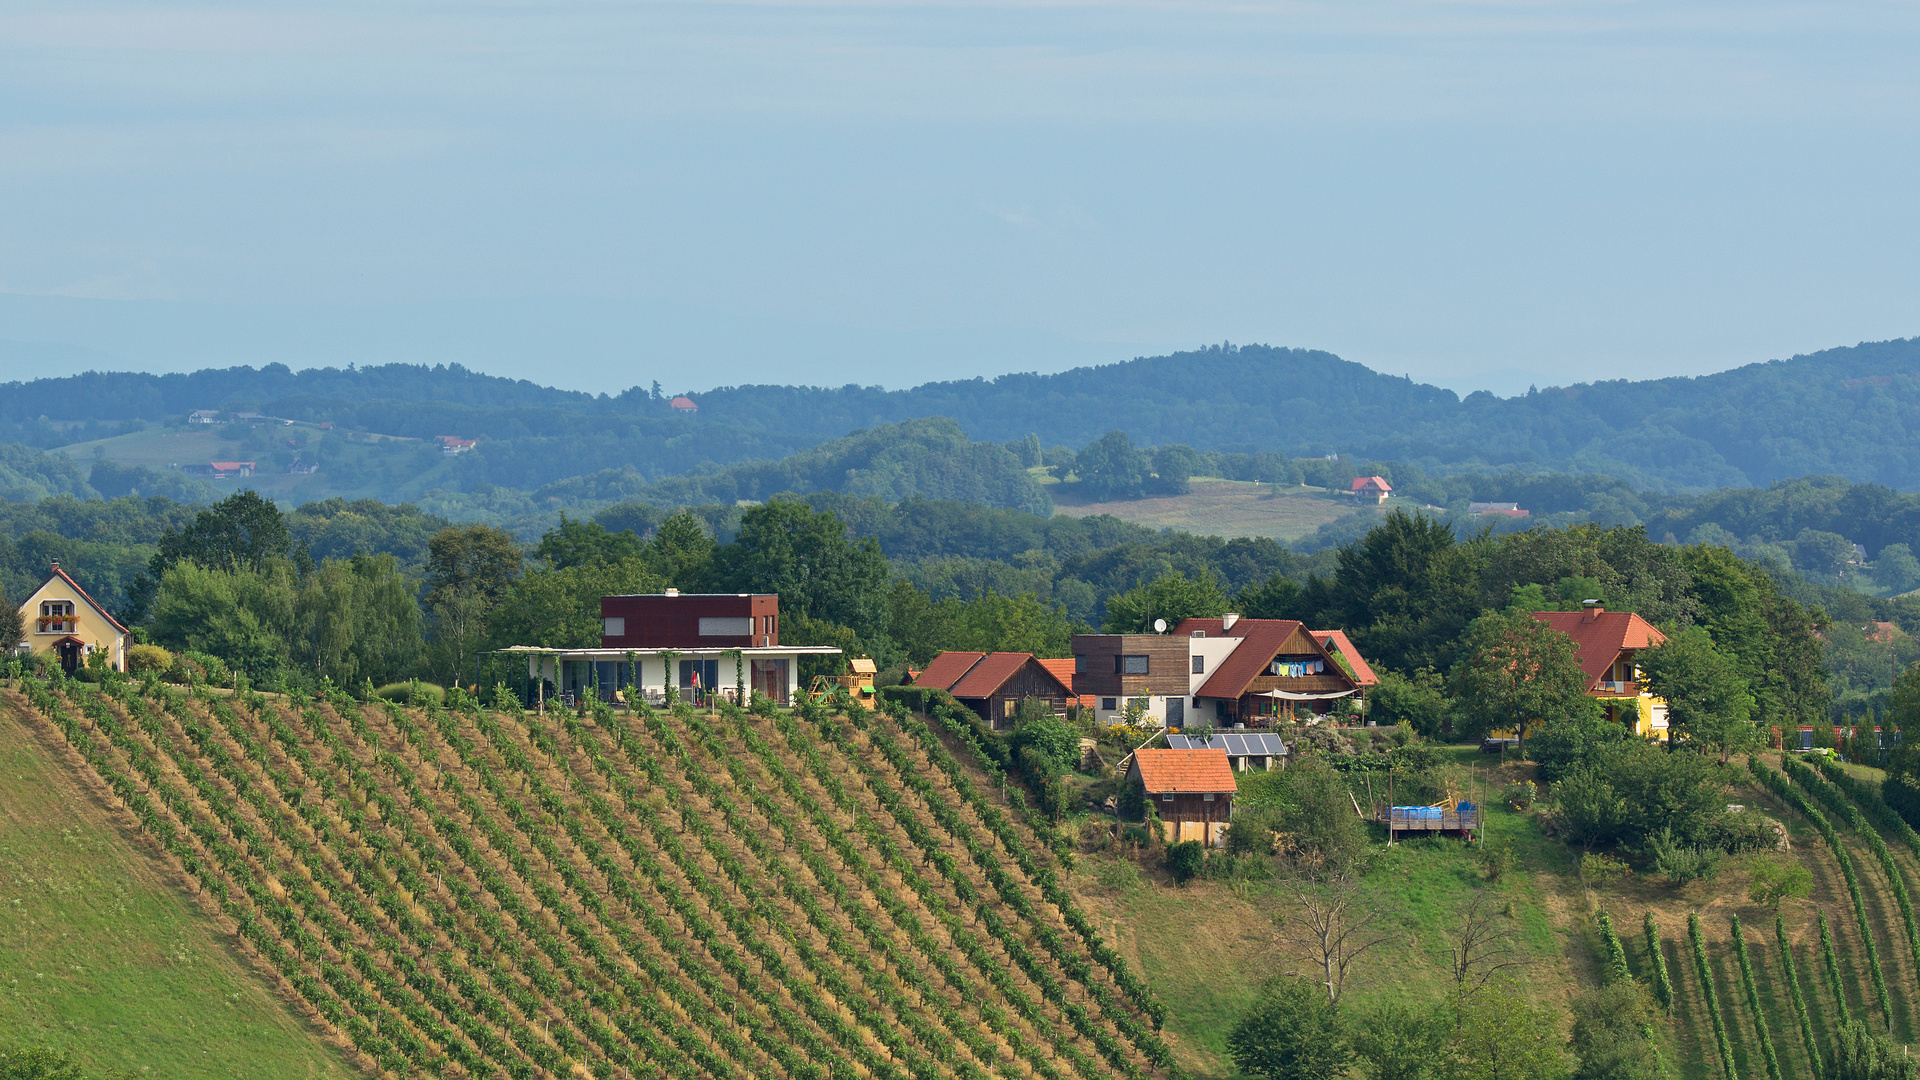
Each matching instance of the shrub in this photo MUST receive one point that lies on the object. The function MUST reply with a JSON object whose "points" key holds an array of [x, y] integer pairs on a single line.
{"points": [[142, 659], [1600, 871], [1494, 859], [1292, 1032], [1520, 794], [1773, 881], [1185, 859], [412, 693], [1680, 863]]}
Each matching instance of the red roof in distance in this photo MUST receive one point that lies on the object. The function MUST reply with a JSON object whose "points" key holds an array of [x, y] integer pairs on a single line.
{"points": [[1377, 483], [684, 404], [1176, 771]]}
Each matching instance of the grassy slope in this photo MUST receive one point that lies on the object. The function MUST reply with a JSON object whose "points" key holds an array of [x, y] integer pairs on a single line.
{"points": [[1227, 508], [101, 953], [1207, 946], [162, 448]]}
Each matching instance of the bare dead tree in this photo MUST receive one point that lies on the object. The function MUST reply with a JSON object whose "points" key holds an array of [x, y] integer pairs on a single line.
{"points": [[1480, 946], [1328, 930]]}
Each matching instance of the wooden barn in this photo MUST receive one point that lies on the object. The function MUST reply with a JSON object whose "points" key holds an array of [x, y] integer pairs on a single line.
{"points": [[992, 684], [1191, 790]]}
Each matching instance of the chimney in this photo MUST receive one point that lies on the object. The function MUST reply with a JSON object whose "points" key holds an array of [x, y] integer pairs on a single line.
{"points": [[1227, 620], [56, 566], [673, 592], [1593, 608]]}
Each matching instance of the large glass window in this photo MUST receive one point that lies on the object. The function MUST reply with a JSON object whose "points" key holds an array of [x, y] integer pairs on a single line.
{"points": [[1133, 665]]}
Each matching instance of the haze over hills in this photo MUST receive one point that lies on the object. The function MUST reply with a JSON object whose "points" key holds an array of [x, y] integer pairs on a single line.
{"points": [[1851, 412]]}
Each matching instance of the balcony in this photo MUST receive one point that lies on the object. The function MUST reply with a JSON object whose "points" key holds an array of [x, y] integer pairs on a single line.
{"points": [[1618, 689], [59, 624]]}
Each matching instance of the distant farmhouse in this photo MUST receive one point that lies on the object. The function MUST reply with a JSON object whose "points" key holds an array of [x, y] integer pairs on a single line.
{"points": [[62, 621], [220, 470], [1371, 487]]}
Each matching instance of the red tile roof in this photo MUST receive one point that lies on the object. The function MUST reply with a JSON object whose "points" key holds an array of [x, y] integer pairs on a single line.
{"points": [[91, 602], [1337, 639], [1379, 483], [948, 668], [683, 403], [1249, 661], [1063, 670], [231, 466], [1599, 636], [1163, 771]]}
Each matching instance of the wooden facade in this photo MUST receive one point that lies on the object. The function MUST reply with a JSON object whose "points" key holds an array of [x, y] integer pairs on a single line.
{"points": [[1190, 790], [1099, 665]]}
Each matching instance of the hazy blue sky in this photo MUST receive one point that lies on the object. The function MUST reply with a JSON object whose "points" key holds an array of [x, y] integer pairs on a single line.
{"points": [[601, 194]]}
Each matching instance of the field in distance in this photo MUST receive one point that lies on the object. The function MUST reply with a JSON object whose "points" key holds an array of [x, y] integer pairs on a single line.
{"points": [[1228, 508]]}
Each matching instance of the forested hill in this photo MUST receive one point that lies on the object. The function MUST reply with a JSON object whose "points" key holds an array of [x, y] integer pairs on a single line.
{"points": [[1852, 412]]}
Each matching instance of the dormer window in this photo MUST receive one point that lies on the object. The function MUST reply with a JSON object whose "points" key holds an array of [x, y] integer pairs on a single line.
{"points": [[56, 617]]}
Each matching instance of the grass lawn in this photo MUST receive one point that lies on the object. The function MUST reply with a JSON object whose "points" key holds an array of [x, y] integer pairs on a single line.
{"points": [[100, 955], [1227, 508], [1207, 947]]}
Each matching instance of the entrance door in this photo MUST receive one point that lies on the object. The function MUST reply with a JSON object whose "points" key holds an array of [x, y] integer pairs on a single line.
{"points": [[769, 677], [1176, 712], [697, 678], [70, 653]]}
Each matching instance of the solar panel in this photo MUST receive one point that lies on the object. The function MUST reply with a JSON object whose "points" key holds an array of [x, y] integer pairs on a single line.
{"points": [[1235, 743]]}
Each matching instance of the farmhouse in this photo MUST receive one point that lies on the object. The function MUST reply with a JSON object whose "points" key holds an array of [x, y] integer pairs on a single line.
{"points": [[1371, 487], [1218, 672], [1606, 643], [220, 470], [702, 645], [993, 684], [684, 405], [1191, 791], [62, 621]]}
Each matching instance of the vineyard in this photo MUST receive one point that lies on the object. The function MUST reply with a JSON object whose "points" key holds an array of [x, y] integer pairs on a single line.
{"points": [[1774, 1000], [489, 892]]}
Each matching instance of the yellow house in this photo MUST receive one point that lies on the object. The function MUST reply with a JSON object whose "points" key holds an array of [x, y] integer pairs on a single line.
{"points": [[62, 620], [1607, 642]]}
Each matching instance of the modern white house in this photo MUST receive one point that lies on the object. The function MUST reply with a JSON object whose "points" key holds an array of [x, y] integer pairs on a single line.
{"points": [[702, 645]]}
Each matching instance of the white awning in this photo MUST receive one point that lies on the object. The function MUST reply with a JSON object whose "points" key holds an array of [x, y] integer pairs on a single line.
{"points": [[1285, 695]]}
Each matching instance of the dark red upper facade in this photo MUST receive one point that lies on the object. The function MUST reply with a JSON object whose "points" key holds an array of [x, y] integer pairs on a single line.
{"points": [[690, 621]]}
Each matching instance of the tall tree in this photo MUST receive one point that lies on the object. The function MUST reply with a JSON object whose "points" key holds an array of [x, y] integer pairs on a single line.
{"points": [[1514, 671], [480, 560], [1111, 467], [1406, 591], [1171, 596], [1708, 704], [240, 532], [681, 550], [807, 557], [578, 543]]}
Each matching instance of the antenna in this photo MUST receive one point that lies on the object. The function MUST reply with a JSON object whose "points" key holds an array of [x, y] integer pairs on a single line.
{"points": [[1159, 626]]}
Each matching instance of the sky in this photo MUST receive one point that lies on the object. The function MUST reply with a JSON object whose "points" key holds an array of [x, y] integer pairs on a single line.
{"points": [[603, 194]]}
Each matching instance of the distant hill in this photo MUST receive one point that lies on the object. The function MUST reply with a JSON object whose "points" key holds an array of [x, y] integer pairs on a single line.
{"points": [[1851, 412]]}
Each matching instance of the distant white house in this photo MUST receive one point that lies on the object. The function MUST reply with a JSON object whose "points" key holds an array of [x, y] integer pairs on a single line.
{"points": [[204, 416]]}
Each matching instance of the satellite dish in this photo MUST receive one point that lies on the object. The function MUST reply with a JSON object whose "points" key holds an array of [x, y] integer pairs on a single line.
{"points": [[1159, 626]]}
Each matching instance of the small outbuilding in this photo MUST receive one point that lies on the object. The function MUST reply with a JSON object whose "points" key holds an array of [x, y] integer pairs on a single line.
{"points": [[993, 684], [1247, 751], [1191, 791]]}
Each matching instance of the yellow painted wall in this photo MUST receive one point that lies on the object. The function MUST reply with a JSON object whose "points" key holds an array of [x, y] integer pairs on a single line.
{"points": [[89, 625]]}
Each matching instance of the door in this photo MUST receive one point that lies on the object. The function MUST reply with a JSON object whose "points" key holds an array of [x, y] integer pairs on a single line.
{"points": [[697, 678], [1176, 712], [69, 655], [769, 677]]}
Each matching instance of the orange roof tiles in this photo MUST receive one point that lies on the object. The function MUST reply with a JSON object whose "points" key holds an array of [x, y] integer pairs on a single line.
{"points": [[1599, 636], [948, 668], [1377, 483], [1264, 637], [1063, 670], [1362, 671], [1164, 771]]}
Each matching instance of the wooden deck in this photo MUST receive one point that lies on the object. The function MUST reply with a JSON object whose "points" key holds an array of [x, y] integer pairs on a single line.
{"points": [[1400, 819]]}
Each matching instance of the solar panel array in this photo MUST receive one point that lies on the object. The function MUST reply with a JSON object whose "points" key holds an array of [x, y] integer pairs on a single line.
{"points": [[1235, 743]]}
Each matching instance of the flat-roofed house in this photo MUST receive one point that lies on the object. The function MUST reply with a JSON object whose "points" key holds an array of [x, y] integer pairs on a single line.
{"points": [[700, 644], [1191, 791], [1606, 643], [994, 684]]}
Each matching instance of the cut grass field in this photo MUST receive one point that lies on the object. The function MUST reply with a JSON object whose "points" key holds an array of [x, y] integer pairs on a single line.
{"points": [[1228, 508], [101, 953]]}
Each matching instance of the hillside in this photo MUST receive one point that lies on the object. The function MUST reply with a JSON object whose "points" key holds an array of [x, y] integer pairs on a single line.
{"points": [[477, 892], [1225, 508], [105, 950], [1851, 412]]}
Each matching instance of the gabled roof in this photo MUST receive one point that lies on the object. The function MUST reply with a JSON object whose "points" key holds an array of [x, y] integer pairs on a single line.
{"points": [[78, 591], [948, 668], [231, 466], [1337, 639], [1163, 771], [683, 402], [1360, 483], [1063, 670], [1599, 635], [1263, 638], [985, 674]]}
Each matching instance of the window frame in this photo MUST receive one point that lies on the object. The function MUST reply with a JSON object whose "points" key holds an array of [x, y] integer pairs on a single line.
{"points": [[1199, 663], [1127, 664]]}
